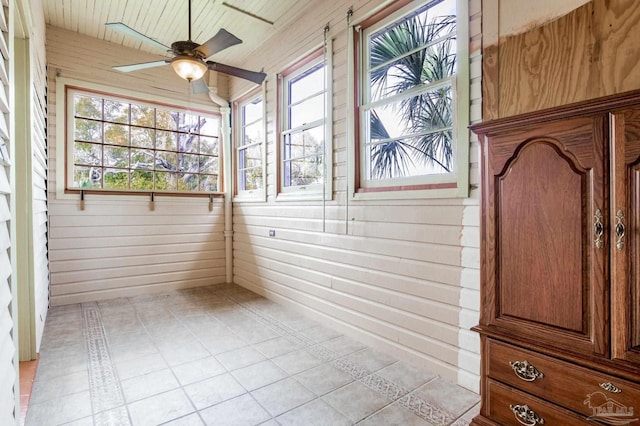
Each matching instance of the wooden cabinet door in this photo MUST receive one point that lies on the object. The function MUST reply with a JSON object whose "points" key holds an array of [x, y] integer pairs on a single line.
{"points": [[625, 237], [544, 272]]}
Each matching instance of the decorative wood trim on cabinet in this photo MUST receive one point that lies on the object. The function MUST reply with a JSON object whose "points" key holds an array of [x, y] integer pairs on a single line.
{"points": [[560, 249]]}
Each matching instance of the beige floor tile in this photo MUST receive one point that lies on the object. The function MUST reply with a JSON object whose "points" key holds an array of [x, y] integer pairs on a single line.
{"points": [[241, 411], [258, 375], [275, 347], [371, 360], [149, 384], [356, 401], [86, 421], [314, 413], [214, 390], [282, 396], [45, 390], [160, 408], [197, 370], [320, 333], [60, 410], [192, 338], [323, 379], [129, 368], [116, 416], [406, 375], [343, 345], [453, 399], [190, 420], [296, 362], [255, 333], [394, 415], [239, 358], [183, 351], [217, 344]]}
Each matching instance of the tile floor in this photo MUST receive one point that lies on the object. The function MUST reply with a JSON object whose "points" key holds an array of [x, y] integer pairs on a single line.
{"points": [[222, 355]]}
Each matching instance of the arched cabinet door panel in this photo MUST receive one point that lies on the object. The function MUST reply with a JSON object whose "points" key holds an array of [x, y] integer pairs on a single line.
{"points": [[545, 234], [625, 244]]}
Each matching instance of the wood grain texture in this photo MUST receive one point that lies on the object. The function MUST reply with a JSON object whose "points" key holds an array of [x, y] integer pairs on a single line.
{"points": [[625, 198], [532, 215], [589, 53], [545, 67]]}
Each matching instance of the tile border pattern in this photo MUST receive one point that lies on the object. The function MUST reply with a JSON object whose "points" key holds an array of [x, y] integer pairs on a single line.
{"points": [[419, 406], [107, 399]]}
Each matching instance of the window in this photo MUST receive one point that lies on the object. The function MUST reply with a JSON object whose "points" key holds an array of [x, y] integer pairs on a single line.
{"points": [[250, 138], [118, 144], [303, 138], [413, 100]]}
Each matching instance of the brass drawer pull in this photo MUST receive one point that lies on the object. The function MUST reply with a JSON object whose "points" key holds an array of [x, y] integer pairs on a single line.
{"points": [[620, 230], [526, 416], [525, 371], [598, 229], [610, 387]]}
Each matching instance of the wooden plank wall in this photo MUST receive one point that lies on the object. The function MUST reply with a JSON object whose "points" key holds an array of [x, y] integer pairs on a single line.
{"points": [[405, 276], [39, 170], [8, 359], [118, 245], [589, 53]]}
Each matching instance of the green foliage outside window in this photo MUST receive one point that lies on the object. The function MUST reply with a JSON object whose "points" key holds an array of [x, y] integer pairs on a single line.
{"points": [[119, 145]]}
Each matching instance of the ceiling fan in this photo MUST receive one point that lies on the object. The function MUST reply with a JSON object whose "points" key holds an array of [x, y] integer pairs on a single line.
{"points": [[189, 58]]}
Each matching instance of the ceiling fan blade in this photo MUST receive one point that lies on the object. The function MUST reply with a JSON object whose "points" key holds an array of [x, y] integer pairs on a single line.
{"points": [[141, 66], [199, 86], [256, 77], [124, 29], [218, 42]]}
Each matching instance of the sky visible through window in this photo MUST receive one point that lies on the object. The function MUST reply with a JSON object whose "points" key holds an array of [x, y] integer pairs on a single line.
{"points": [[393, 114]]}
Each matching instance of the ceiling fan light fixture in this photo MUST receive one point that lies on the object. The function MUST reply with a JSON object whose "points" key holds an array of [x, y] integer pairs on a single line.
{"points": [[189, 67]]}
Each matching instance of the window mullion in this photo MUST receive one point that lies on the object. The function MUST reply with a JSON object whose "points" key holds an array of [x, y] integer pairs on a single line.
{"points": [[414, 91], [411, 52]]}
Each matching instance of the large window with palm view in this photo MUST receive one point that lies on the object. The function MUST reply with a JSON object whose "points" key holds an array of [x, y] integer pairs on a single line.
{"points": [[119, 144], [407, 134]]}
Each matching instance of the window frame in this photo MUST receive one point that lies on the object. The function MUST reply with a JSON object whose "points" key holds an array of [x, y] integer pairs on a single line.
{"points": [[322, 190], [238, 125], [442, 185], [65, 137]]}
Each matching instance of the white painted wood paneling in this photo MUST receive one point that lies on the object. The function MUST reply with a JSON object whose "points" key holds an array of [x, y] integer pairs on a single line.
{"points": [[8, 358], [40, 273], [402, 275], [121, 245]]}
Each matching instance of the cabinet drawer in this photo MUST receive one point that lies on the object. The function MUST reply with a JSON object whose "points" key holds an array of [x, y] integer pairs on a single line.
{"points": [[503, 400], [563, 383]]}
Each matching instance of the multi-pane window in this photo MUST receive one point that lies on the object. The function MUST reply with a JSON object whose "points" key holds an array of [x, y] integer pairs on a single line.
{"points": [[250, 145], [408, 98], [303, 125], [124, 145]]}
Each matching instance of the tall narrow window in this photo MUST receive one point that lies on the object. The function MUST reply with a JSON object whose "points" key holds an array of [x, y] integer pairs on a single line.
{"points": [[250, 137], [303, 128], [409, 102]]}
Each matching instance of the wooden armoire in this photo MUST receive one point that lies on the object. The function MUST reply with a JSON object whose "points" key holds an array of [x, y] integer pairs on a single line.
{"points": [[560, 252]]}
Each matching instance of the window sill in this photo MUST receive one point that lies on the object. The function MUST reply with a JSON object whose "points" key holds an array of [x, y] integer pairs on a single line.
{"points": [[300, 196], [443, 191]]}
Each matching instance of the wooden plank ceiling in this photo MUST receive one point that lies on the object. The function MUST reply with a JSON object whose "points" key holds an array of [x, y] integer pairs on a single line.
{"points": [[167, 21]]}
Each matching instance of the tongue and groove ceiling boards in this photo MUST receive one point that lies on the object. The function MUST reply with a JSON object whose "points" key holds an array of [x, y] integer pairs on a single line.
{"points": [[166, 21]]}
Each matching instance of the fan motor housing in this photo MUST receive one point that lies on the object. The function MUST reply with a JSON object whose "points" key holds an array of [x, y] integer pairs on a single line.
{"points": [[187, 48]]}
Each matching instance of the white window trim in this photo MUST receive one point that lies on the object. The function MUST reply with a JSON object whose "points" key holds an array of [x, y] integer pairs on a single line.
{"points": [[253, 195], [319, 191], [62, 121], [461, 83]]}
